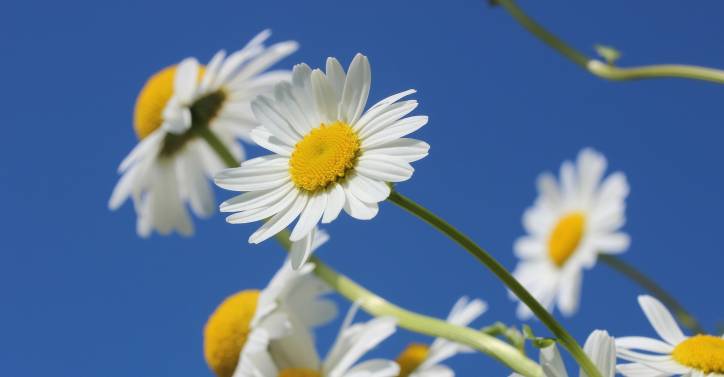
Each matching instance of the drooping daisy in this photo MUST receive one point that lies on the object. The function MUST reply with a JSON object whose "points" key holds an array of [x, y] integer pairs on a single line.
{"points": [[261, 359], [421, 360], [568, 226], [328, 153], [293, 299], [676, 354], [600, 348], [171, 164]]}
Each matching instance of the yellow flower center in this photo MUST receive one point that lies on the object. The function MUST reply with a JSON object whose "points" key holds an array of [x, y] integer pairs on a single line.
{"points": [[148, 113], [226, 331], [701, 352], [411, 358], [299, 372], [323, 156], [565, 237]]}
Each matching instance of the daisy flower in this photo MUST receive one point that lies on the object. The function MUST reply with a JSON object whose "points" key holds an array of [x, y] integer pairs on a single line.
{"points": [[675, 354], [569, 224], [328, 154], [600, 348], [421, 360], [353, 341], [171, 164], [292, 300]]}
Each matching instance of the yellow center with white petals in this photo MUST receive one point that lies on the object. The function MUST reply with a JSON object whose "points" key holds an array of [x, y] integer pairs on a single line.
{"points": [[411, 358], [226, 331], [325, 155], [299, 372], [565, 237], [701, 352]]}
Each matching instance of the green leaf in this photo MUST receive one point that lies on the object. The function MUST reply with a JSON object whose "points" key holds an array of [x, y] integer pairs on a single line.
{"points": [[608, 53]]}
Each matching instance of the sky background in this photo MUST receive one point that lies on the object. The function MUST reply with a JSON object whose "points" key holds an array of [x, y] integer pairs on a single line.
{"points": [[82, 295]]}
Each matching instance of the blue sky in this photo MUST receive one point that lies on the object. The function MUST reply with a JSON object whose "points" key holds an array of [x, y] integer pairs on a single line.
{"points": [[83, 295]]}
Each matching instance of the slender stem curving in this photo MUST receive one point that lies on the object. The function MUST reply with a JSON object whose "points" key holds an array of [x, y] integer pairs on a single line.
{"points": [[377, 306], [605, 70], [632, 273], [481, 255]]}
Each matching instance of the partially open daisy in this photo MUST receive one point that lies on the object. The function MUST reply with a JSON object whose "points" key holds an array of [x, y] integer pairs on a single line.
{"points": [[171, 164], [568, 226], [328, 153], [676, 354], [599, 347], [353, 341], [421, 360], [252, 319]]}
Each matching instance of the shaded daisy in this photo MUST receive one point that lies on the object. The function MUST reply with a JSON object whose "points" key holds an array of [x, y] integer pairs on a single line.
{"points": [[600, 348], [421, 360], [294, 299], [328, 155], [675, 354], [171, 164], [570, 223], [261, 359]]}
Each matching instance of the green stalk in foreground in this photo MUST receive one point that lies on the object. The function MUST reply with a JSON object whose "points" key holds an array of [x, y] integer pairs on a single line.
{"points": [[377, 306], [632, 273], [481, 255], [605, 70]]}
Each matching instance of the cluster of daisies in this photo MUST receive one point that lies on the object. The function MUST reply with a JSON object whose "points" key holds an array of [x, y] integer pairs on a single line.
{"points": [[329, 152]]}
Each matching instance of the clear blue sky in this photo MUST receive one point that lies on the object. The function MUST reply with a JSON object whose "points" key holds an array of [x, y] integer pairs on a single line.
{"points": [[82, 295]]}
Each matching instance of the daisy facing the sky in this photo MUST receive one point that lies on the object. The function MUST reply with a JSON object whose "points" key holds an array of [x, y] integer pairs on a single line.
{"points": [[171, 165], [254, 320], [570, 223], [421, 360], [675, 354], [328, 153]]}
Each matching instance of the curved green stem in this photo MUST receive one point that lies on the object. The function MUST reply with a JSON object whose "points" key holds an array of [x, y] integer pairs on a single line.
{"points": [[481, 255], [377, 306], [602, 69], [632, 273]]}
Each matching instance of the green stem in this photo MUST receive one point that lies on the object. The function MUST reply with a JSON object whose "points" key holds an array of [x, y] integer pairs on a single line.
{"points": [[218, 147], [563, 336], [604, 70], [632, 273], [377, 306]]}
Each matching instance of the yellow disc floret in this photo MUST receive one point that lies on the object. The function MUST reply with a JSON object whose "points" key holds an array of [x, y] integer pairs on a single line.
{"points": [[226, 331], [411, 358], [701, 352], [323, 156], [299, 372], [148, 113], [565, 237]]}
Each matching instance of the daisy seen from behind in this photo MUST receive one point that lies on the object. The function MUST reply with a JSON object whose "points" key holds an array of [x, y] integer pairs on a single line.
{"points": [[328, 153], [352, 343], [570, 223], [421, 360], [294, 299], [171, 165], [674, 354]]}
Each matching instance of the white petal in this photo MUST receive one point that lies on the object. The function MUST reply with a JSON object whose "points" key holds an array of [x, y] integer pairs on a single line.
{"points": [[381, 118], [267, 58], [146, 148], [356, 89], [212, 70], [529, 248], [324, 97], [262, 213], [552, 363], [613, 243], [388, 170], [591, 166], [397, 130], [301, 250], [335, 202], [310, 216], [336, 76], [661, 319], [354, 342], [265, 139], [368, 190], [644, 343], [265, 110], [639, 370], [185, 80], [408, 150], [190, 171], [255, 199], [379, 108], [280, 221], [374, 368], [570, 292], [601, 349], [357, 208]]}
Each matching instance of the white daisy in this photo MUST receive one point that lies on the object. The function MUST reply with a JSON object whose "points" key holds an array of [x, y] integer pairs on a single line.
{"points": [[568, 226], [301, 359], [600, 348], [292, 300], [676, 354], [171, 164], [329, 154], [420, 360]]}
